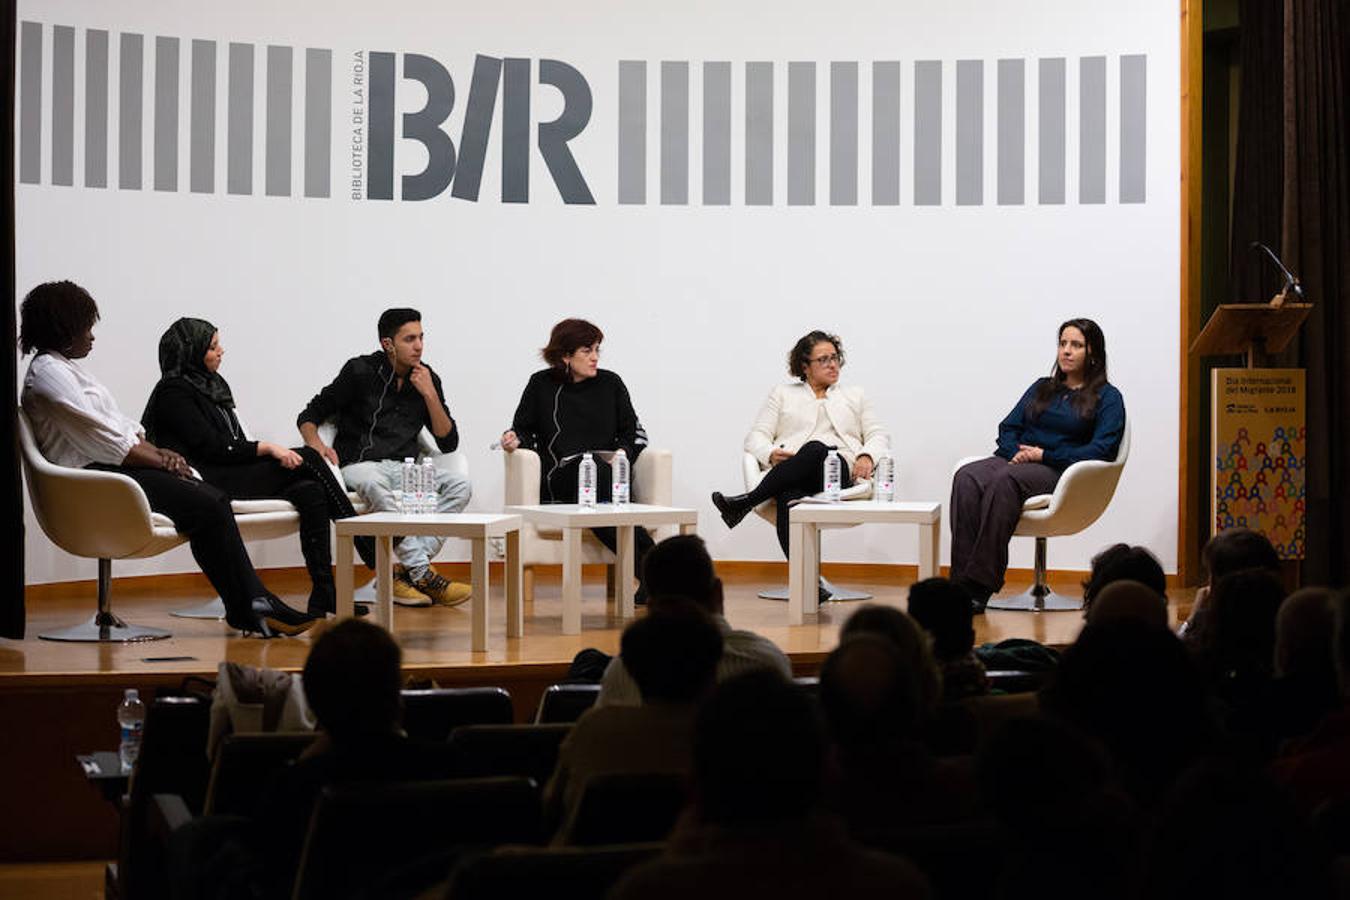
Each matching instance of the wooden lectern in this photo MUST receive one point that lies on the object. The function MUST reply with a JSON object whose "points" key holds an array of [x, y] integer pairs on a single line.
{"points": [[1258, 425]]}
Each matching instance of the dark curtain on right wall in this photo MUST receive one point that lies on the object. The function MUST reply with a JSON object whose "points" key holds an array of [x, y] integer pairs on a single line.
{"points": [[1292, 192]]}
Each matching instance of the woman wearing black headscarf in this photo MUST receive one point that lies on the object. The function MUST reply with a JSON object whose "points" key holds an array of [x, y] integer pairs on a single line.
{"points": [[191, 411]]}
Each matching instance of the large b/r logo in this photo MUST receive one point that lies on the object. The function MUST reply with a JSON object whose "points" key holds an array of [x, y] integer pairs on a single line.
{"points": [[463, 165]]}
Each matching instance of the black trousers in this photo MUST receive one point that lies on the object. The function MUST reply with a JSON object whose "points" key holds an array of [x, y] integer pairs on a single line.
{"points": [[314, 493], [562, 488], [799, 476], [202, 513], [987, 498]]}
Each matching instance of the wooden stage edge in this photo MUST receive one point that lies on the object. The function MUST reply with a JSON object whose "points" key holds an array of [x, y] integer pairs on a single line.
{"points": [[436, 640]]}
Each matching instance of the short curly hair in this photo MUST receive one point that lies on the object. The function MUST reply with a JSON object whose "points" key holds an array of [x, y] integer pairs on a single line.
{"points": [[799, 357], [53, 315]]}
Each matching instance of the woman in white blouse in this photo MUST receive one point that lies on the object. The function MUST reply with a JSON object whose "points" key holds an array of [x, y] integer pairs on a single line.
{"points": [[77, 423], [800, 422]]}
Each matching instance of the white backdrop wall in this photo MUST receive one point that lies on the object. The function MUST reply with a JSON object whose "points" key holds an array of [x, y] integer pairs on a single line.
{"points": [[947, 311]]}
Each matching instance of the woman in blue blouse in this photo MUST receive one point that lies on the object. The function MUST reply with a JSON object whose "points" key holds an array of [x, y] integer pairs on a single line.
{"points": [[1075, 414]]}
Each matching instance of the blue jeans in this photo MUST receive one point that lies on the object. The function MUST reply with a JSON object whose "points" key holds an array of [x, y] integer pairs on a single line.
{"points": [[376, 481]]}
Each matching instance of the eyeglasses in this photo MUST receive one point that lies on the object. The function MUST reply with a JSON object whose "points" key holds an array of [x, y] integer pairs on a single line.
{"points": [[833, 359]]}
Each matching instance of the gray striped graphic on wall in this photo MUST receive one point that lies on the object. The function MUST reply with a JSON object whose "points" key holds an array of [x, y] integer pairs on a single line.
{"points": [[1001, 84], [169, 105], [973, 132]]}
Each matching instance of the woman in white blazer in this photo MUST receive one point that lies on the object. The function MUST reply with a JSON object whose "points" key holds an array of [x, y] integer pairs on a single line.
{"points": [[800, 422]]}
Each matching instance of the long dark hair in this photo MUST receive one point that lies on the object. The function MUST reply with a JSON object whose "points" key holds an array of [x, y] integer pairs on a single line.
{"points": [[1084, 400]]}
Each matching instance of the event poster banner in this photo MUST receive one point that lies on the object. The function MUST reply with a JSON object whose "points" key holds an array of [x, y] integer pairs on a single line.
{"points": [[939, 184], [1260, 451]]}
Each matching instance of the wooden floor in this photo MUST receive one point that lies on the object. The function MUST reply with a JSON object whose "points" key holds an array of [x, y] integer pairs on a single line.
{"points": [[438, 638], [52, 881]]}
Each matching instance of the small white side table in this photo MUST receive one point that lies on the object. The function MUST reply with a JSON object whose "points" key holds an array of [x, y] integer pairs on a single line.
{"points": [[475, 527], [571, 518], [805, 521]]}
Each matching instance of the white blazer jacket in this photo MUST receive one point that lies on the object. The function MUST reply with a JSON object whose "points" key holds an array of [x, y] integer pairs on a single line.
{"points": [[788, 417]]}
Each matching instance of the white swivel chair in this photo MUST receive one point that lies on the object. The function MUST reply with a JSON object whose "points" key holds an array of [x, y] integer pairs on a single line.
{"points": [[1079, 499], [652, 484], [101, 515], [105, 515], [768, 510]]}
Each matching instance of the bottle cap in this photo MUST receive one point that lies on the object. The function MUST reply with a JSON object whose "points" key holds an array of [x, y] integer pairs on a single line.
{"points": [[132, 694]]}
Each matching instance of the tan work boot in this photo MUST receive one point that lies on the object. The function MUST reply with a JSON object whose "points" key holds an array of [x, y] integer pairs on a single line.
{"points": [[405, 592], [442, 591]]}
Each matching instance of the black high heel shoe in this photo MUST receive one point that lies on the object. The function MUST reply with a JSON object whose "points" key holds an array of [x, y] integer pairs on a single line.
{"points": [[268, 617], [733, 509]]}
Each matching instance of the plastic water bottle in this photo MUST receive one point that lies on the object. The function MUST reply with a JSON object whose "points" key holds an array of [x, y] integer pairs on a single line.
{"points": [[419, 490], [883, 479], [407, 498], [621, 479], [586, 481], [429, 498], [131, 719], [834, 476]]}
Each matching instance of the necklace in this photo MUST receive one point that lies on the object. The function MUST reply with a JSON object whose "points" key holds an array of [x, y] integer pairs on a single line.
{"points": [[229, 422]]}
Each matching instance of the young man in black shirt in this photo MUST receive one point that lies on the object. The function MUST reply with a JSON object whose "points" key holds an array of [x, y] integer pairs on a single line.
{"points": [[381, 402]]}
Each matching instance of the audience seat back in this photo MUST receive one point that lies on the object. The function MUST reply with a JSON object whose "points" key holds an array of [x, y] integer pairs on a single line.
{"points": [[431, 714], [561, 873], [958, 860], [361, 834], [244, 768], [625, 808], [566, 702], [172, 761], [530, 751]]}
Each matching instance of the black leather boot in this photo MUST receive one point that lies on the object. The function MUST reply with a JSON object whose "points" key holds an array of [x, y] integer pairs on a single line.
{"points": [[733, 509], [319, 562]]}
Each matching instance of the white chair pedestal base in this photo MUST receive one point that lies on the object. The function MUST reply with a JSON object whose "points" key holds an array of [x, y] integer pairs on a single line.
{"points": [[1039, 597], [104, 627], [837, 594], [211, 609], [1030, 601]]}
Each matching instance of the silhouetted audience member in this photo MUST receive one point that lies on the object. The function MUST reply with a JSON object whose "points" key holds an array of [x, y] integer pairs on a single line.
{"points": [[672, 654], [1122, 562], [1226, 830], [874, 712], [1129, 600], [755, 827], [1229, 551], [1066, 821], [352, 681], [1134, 688], [1315, 768], [1304, 687], [680, 570], [913, 643], [943, 610], [1236, 648]]}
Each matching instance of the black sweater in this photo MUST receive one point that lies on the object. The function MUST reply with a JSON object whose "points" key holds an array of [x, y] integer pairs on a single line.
{"points": [[192, 424], [559, 419], [376, 418]]}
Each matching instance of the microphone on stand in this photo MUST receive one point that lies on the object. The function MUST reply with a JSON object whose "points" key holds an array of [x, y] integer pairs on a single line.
{"points": [[1291, 285]]}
